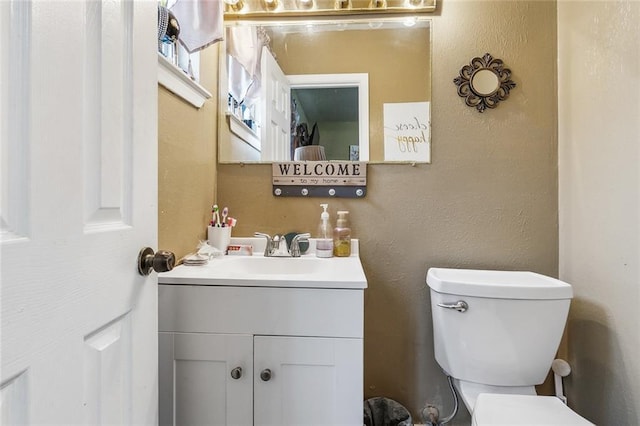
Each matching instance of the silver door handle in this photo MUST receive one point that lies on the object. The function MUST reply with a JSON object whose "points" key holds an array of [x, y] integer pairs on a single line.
{"points": [[460, 306]]}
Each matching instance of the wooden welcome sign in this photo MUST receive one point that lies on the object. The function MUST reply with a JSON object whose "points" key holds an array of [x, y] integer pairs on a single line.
{"points": [[320, 179]]}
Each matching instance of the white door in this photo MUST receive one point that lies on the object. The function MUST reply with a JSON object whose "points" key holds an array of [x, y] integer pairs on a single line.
{"points": [[307, 381], [78, 96], [206, 379], [276, 127]]}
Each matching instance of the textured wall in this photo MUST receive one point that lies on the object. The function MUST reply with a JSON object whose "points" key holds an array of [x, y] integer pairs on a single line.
{"points": [[599, 149], [489, 200], [187, 163]]}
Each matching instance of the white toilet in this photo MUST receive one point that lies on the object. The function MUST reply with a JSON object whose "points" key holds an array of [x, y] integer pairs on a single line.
{"points": [[496, 334]]}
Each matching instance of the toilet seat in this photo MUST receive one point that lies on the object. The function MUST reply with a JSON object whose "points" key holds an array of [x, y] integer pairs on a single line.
{"points": [[513, 410]]}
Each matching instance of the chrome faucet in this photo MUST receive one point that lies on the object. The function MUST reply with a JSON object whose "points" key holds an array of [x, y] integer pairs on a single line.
{"points": [[277, 246]]}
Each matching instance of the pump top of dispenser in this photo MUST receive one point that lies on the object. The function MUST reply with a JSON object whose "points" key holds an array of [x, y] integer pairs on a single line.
{"points": [[325, 214], [343, 219]]}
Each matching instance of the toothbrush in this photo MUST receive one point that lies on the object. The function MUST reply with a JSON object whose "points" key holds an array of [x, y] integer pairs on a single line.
{"points": [[216, 215], [225, 212]]}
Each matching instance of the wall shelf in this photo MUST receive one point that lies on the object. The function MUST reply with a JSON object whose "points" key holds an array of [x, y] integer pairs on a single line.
{"points": [[243, 131], [179, 83]]}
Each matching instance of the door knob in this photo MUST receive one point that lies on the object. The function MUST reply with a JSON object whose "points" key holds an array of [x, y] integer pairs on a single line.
{"points": [[161, 261], [265, 375], [236, 373]]}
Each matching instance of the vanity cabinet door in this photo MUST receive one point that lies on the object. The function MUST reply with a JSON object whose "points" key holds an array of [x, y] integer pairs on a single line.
{"points": [[312, 381], [199, 379]]}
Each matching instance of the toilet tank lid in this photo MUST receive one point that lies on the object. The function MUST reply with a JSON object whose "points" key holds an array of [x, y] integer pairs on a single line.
{"points": [[497, 284]]}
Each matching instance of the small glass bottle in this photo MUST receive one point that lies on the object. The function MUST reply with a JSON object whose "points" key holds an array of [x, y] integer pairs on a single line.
{"points": [[342, 236]]}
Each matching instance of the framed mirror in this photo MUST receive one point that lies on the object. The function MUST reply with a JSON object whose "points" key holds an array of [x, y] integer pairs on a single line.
{"points": [[484, 82], [356, 65]]}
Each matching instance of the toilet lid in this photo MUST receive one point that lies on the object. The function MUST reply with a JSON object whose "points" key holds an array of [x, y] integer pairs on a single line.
{"points": [[498, 409]]}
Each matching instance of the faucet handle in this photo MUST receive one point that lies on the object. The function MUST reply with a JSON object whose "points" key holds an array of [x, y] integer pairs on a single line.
{"points": [[295, 243], [267, 247]]}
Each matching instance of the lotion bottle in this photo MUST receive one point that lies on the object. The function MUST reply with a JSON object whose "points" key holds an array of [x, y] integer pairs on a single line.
{"points": [[342, 236], [324, 243]]}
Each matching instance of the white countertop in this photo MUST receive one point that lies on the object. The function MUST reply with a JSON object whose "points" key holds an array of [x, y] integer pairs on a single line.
{"points": [[306, 271]]}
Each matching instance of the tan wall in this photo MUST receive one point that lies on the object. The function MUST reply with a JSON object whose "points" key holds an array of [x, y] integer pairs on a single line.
{"points": [[599, 150], [187, 163], [489, 200]]}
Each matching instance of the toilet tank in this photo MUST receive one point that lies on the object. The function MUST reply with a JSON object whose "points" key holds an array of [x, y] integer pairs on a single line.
{"points": [[510, 331]]}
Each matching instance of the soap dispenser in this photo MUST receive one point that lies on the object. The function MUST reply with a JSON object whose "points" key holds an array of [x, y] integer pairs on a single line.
{"points": [[342, 236], [324, 243]]}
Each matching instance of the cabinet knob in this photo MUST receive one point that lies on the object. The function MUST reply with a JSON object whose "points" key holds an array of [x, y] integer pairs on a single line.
{"points": [[265, 375], [236, 373]]}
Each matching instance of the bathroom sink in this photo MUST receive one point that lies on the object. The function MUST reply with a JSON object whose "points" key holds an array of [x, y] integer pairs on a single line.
{"points": [[307, 271], [260, 265]]}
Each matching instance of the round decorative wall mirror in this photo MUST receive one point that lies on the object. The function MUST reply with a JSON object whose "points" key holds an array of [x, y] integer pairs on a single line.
{"points": [[484, 82]]}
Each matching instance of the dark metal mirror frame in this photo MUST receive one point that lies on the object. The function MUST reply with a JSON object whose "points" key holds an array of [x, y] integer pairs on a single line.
{"points": [[478, 100]]}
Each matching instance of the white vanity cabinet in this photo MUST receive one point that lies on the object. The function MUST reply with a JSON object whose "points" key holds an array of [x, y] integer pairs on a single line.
{"points": [[300, 352]]}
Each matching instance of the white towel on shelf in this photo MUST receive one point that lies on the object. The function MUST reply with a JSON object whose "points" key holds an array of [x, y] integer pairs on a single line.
{"points": [[201, 22]]}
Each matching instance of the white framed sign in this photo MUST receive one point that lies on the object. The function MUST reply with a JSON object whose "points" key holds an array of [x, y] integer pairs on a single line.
{"points": [[407, 132]]}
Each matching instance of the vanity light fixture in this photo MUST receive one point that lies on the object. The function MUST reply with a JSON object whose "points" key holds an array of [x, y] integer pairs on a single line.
{"points": [[243, 9]]}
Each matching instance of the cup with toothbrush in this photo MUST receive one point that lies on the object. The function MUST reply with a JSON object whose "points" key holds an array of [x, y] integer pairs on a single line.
{"points": [[219, 229]]}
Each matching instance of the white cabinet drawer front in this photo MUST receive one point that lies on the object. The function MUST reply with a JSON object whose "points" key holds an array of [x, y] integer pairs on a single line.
{"points": [[259, 310]]}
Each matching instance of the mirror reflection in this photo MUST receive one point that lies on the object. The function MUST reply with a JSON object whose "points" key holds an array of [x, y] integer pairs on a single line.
{"points": [[485, 82], [332, 109], [290, 84]]}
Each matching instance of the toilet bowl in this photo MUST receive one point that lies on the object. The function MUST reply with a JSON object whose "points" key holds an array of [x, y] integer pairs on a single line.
{"points": [[496, 334]]}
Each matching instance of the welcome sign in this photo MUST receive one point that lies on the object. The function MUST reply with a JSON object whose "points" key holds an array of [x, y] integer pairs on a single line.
{"points": [[407, 132], [320, 178]]}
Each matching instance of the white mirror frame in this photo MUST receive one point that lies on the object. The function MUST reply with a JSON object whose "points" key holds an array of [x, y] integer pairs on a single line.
{"points": [[361, 81]]}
